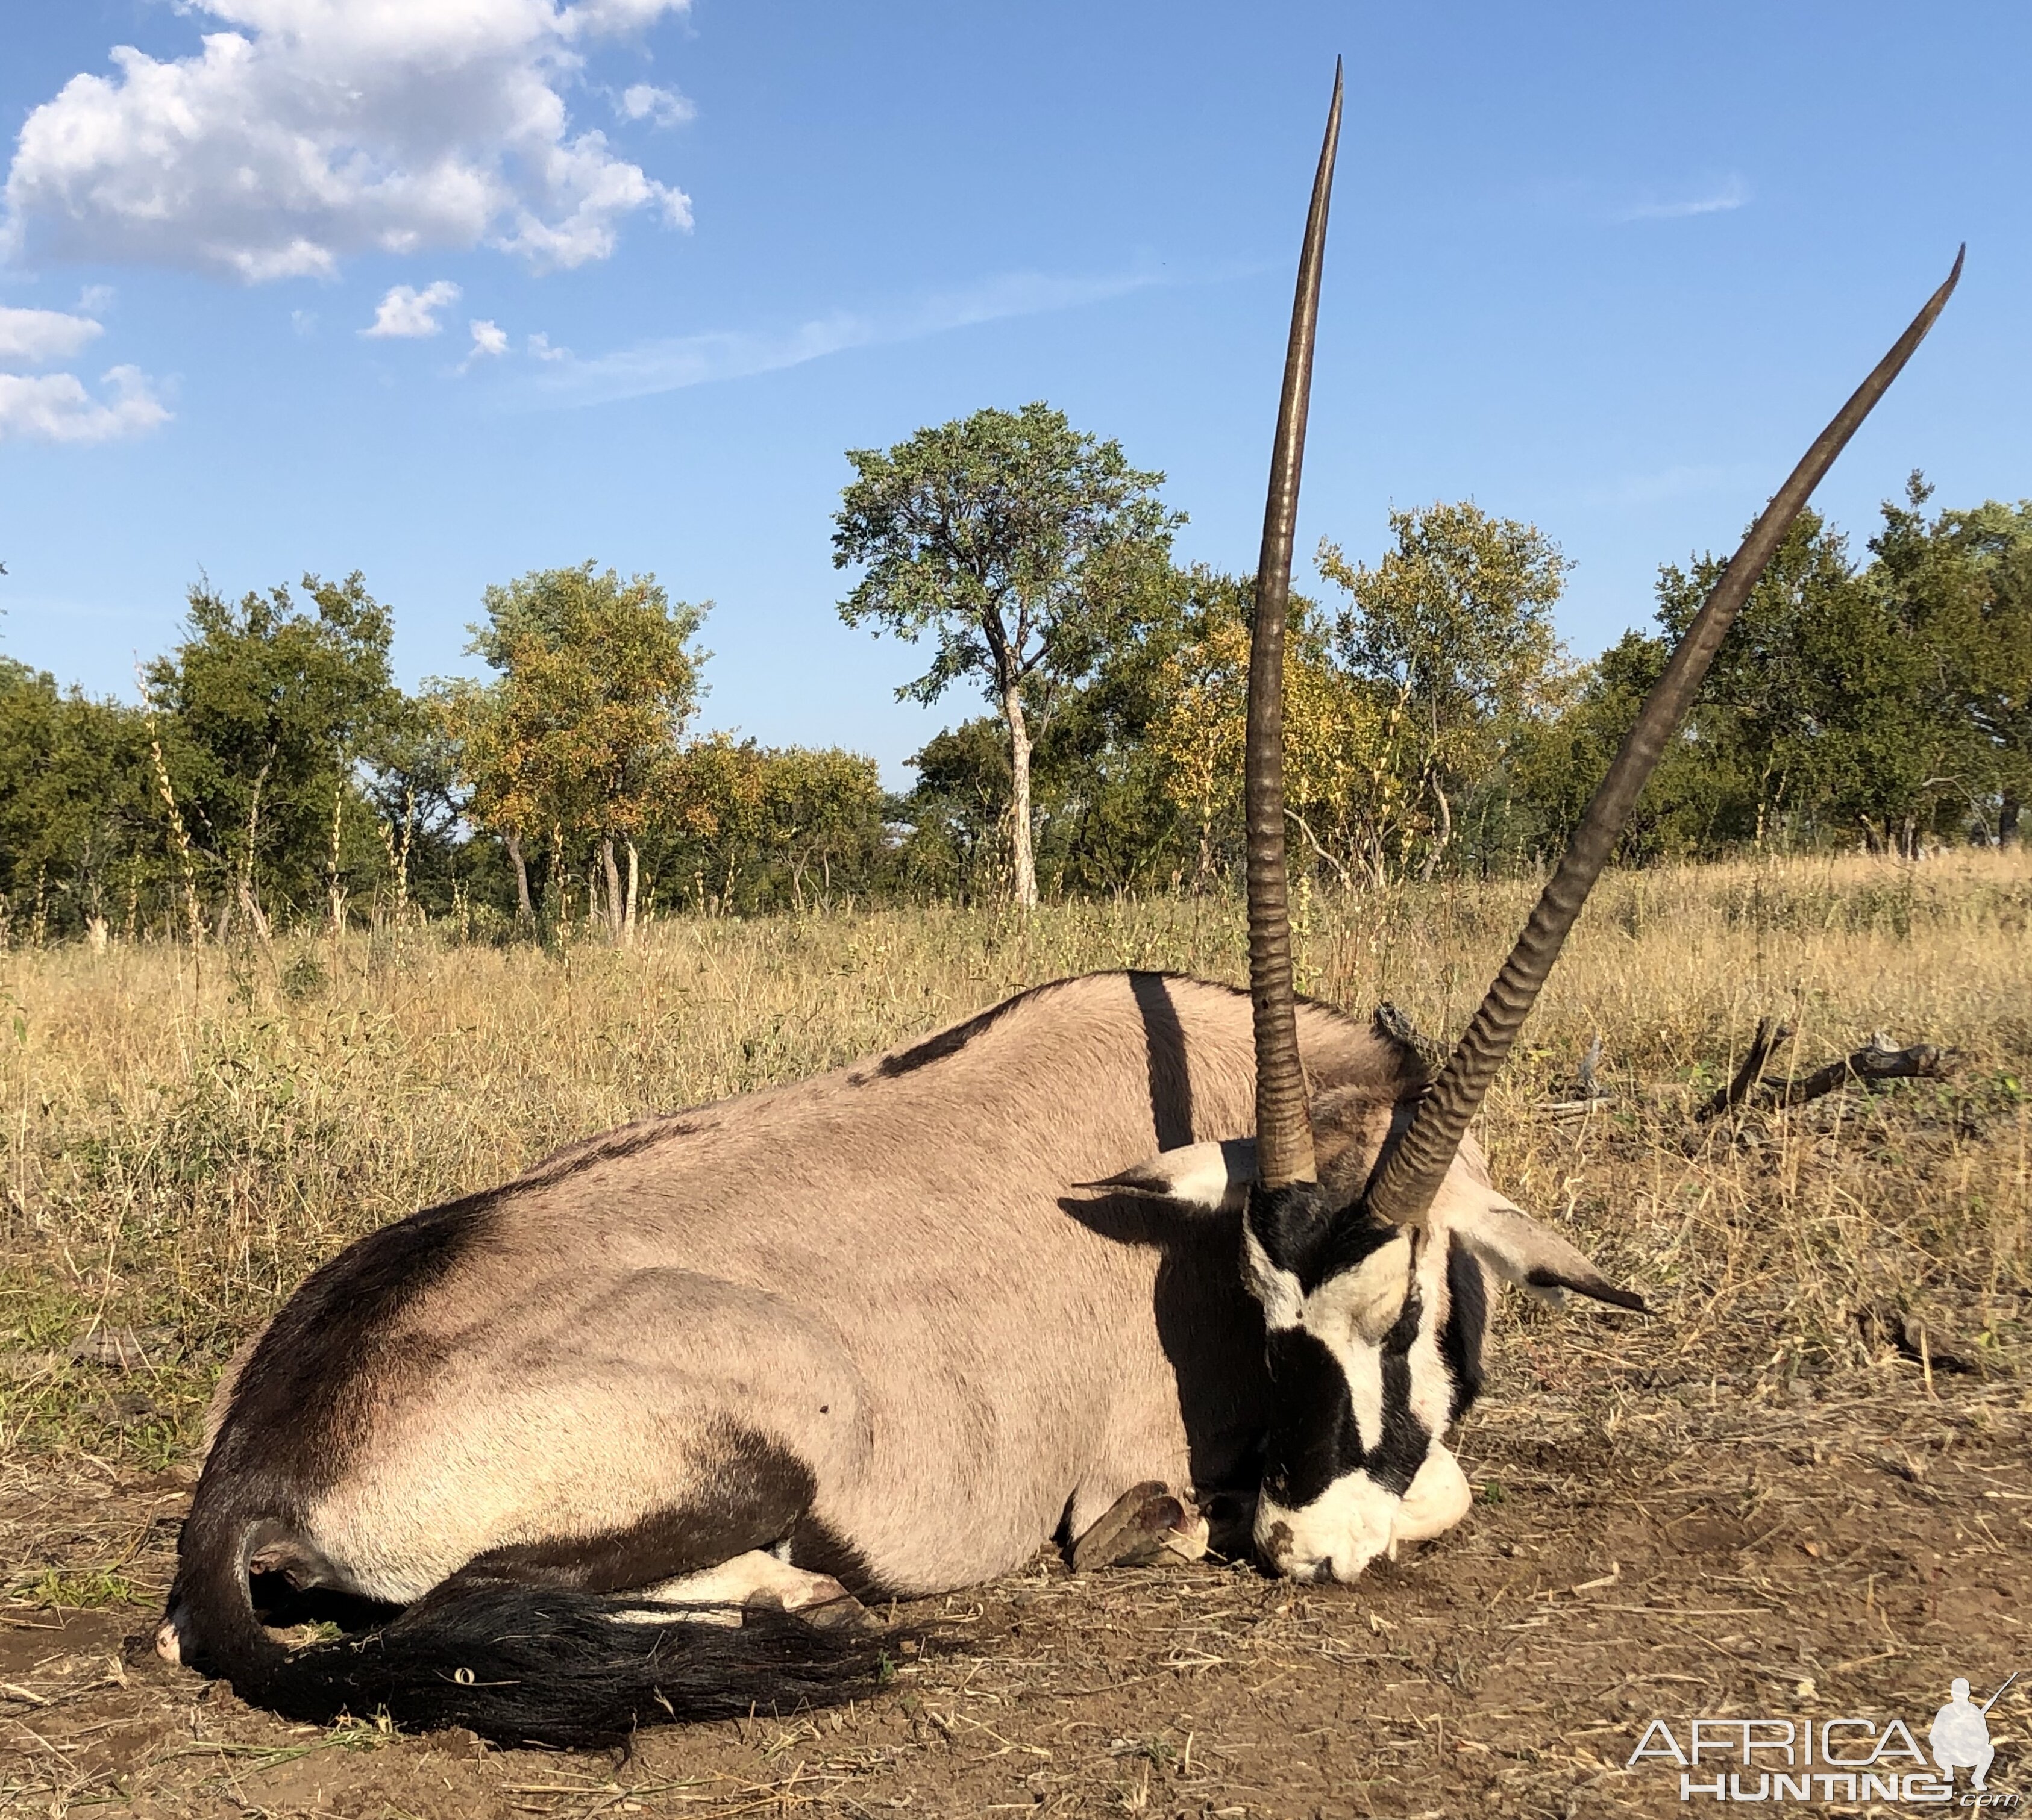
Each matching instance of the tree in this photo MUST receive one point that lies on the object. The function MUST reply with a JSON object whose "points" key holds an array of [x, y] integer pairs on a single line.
{"points": [[767, 824], [78, 826], [1960, 589], [1826, 702], [958, 811], [823, 808], [1697, 801], [597, 677], [1453, 633], [501, 788], [1026, 547], [267, 712], [1332, 731]]}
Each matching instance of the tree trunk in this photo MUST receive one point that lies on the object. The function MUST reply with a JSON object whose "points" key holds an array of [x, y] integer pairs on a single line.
{"points": [[257, 919], [2007, 821], [526, 911], [616, 914], [1019, 806], [1446, 834], [634, 879]]}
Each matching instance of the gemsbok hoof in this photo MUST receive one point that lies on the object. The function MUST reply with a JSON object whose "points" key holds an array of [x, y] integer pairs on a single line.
{"points": [[1147, 1526], [845, 1613]]}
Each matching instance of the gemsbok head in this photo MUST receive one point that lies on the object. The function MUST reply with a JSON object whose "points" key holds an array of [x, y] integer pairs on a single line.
{"points": [[1368, 1219]]}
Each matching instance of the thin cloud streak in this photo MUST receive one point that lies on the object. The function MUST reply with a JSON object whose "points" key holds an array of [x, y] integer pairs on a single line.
{"points": [[1676, 482], [1733, 193], [682, 361]]}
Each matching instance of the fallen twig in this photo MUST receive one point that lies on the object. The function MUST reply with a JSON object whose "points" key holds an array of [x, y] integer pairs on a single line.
{"points": [[1875, 1061], [1763, 1045], [1878, 1059]]}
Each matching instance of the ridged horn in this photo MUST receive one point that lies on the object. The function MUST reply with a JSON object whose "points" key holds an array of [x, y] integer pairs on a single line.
{"points": [[1404, 1187], [1284, 1125]]}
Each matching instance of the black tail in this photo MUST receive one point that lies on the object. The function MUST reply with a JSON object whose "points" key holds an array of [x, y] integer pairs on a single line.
{"points": [[515, 1662]]}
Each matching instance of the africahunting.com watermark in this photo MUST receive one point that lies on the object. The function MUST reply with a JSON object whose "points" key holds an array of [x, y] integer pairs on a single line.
{"points": [[1848, 1760]]}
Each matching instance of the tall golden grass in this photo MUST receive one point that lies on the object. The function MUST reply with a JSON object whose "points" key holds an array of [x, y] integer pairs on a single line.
{"points": [[182, 1136]]}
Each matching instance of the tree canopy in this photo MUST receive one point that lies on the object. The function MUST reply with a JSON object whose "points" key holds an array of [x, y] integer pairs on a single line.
{"points": [[596, 678], [1025, 548]]}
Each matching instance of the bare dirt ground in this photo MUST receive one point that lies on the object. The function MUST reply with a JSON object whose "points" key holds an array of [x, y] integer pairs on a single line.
{"points": [[1650, 1538]]}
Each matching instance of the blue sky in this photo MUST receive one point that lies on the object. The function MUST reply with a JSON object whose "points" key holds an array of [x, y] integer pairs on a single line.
{"points": [[1605, 267]]}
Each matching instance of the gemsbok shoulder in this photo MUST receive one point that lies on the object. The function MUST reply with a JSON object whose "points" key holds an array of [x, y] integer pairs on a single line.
{"points": [[1126, 1257]]}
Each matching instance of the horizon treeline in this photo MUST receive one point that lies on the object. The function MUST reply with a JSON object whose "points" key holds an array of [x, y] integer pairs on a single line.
{"points": [[275, 775]]}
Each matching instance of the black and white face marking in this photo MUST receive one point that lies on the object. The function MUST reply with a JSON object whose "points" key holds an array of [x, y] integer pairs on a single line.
{"points": [[1374, 1341], [1374, 1334]]}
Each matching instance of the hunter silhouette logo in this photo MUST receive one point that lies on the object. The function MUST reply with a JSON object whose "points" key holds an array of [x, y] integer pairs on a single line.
{"points": [[1960, 1737]]}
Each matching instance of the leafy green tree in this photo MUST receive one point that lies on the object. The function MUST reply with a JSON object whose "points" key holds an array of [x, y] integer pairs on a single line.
{"points": [[417, 796], [1822, 699], [823, 809], [1027, 549], [1959, 589], [1695, 803], [767, 826], [597, 677], [79, 832], [956, 846], [1452, 633], [499, 778], [268, 710]]}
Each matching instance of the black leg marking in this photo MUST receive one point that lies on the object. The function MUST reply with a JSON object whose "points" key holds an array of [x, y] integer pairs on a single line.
{"points": [[753, 1499], [817, 1547]]}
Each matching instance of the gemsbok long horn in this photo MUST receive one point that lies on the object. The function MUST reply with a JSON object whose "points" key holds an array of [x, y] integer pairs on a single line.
{"points": [[1404, 1187], [1283, 1126]]}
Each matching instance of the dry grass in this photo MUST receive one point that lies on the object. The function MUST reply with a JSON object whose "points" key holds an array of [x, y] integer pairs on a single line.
{"points": [[181, 1143], [1751, 1496]]}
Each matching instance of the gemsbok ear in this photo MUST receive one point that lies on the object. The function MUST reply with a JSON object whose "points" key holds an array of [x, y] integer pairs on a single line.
{"points": [[1207, 1178], [1538, 1261]]}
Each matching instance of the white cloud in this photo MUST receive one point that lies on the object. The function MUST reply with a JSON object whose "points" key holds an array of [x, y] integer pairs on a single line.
{"points": [[57, 408], [408, 314], [673, 364], [489, 340], [304, 131], [303, 321], [30, 337], [1731, 192], [538, 347], [94, 299], [659, 106]]}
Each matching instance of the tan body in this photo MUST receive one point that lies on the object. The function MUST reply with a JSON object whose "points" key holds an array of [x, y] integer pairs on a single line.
{"points": [[885, 1275]]}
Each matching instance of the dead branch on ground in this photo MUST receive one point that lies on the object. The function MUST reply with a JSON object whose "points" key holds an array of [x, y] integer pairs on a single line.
{"points": [[1878, 1059]]}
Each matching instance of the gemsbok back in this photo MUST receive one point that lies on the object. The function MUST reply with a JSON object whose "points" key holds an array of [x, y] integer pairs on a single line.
{"points": [[618, 1441]]}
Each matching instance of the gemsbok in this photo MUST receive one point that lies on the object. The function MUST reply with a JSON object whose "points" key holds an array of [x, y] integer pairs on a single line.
{"points": [[1127, 1254]]}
